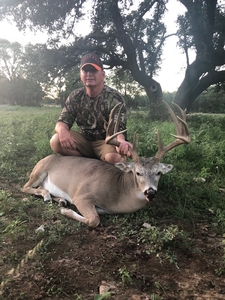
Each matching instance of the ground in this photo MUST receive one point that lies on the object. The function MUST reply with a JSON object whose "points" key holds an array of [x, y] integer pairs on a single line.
{"points": [[93, 261]]}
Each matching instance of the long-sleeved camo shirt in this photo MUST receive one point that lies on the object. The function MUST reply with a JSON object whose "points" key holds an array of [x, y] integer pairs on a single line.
{"points": [[90, 113]]}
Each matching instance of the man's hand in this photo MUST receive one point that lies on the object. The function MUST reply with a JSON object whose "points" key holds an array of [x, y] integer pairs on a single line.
{"points": [[124, 147], [65, 138], [67, 141]]}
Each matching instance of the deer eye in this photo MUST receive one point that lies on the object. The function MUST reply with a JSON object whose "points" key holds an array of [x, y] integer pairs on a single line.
{"points": [[138, 174], [159, 173]]}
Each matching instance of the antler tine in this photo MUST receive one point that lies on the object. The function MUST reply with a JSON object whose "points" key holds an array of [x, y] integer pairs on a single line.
{"points": [[134, 151], [182, 131], [112, 127], [182, 136]]}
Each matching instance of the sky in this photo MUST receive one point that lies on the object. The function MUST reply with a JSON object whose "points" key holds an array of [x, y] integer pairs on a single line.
{"points": [[173, 65]]}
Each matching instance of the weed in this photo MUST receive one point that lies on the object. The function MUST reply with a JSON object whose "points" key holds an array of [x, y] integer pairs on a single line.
{"points": [[162, 242], [221, 270], [106, 295], [156, 297], [16, 229], [155, 239], [125, 276]]}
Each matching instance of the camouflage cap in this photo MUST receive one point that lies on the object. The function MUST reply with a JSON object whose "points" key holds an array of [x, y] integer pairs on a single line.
{"points": [[93, 60]]}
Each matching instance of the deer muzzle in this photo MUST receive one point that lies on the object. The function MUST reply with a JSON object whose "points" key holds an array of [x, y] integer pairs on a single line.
{"points": [[150, 194]]}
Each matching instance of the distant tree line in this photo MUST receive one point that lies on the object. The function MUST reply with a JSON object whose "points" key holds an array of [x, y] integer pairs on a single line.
{"points": [[210, 101], [19, 85]]}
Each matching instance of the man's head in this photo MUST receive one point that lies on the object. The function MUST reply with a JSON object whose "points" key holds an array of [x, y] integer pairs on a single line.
{"points": [[91, 59], [91, 72]]}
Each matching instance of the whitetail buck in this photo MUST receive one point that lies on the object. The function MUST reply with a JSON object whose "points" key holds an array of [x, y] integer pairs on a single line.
{"points": [[96, 187]]}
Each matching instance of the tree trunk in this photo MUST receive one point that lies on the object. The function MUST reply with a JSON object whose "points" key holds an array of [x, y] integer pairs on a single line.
{"points": [[197, 79], [157, 110]]}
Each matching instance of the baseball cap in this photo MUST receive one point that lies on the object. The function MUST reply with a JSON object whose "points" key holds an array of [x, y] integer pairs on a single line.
{"points": [[93, 60]]}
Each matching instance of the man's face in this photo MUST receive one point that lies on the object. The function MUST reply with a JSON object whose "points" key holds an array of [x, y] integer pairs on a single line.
{"points": [[91, 77]]}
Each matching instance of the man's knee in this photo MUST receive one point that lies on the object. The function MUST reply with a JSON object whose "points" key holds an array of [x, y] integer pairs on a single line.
{"points": [[113, 158], [57, 148], [54, 143]]}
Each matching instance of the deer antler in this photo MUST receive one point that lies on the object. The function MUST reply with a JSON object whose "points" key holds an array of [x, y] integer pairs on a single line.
{"points": [[182, 136], [113, 125], [112, 130]]}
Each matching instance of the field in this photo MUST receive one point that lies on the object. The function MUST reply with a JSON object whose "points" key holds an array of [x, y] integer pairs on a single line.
{"points": [[174, 248]]}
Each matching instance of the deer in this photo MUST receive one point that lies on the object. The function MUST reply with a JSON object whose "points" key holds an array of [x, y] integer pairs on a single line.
{"points": [[95, 187]]}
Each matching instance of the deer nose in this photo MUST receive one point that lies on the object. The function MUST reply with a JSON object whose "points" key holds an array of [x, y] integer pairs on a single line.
{"points": [[150, 194]]}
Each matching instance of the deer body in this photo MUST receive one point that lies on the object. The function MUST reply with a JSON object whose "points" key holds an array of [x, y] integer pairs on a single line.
{"points": [[95, 186]]}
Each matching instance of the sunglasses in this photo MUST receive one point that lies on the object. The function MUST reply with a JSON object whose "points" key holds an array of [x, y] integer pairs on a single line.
{"points": [[89, 69]]}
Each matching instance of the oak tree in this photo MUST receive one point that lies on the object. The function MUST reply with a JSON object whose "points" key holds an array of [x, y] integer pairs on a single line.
{"points": [[130, 35]]}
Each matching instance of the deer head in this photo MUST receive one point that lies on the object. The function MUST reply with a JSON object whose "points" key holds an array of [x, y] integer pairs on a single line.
{"points": [[147, 171]]}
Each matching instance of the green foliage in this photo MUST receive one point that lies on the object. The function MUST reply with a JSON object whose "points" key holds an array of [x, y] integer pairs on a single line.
{"points": [[125, 276], [20, 92], [192, 190], [156, 297], [169, 97], [155, 239], [106, 295], [16, 229], [18, 86], [210, 101], [221, 270]]}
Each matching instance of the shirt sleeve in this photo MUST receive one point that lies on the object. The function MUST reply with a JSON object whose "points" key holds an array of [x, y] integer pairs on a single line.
{"points": [[68, 114]]}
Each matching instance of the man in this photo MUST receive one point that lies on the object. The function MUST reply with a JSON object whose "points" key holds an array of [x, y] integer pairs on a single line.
{"points": [[89, 107]]}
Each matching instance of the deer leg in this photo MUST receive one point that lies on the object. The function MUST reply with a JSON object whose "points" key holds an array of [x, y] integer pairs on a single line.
{"points": [[89, 215], [40, 191], [62, 202], [34, 186]]}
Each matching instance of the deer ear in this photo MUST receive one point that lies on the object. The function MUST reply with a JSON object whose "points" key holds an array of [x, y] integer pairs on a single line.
{"points": [[125, 166], [165, 168]]}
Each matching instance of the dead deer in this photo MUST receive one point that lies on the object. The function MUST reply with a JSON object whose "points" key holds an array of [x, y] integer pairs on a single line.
{"points": [[96, 187]]}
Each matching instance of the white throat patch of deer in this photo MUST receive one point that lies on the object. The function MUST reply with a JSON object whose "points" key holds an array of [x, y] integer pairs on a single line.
{"points": [[96, 187]]}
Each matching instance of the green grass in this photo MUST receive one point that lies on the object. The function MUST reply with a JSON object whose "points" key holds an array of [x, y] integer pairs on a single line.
{"points": [[25, 135], [191, 193], [191, 190]]}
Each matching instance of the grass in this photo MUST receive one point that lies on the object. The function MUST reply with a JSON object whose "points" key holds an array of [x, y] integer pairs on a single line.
{"points": [[192, 193], [191, 190]]}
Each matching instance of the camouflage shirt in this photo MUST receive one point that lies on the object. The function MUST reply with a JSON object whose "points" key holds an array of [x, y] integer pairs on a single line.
{"points": [[90, 113]]}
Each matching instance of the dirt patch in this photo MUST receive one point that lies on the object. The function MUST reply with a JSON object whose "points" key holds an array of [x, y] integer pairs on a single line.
{"points": [[94, 260]]}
